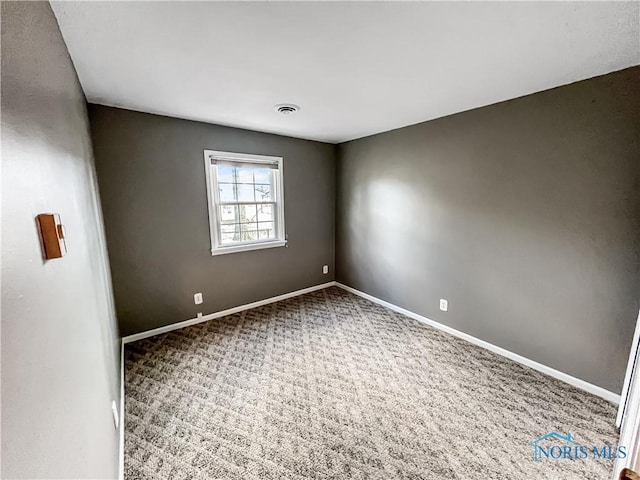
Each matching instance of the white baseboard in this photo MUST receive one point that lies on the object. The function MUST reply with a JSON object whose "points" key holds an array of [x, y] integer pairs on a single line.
{"points": [[176, 326], [576, 382], [122, 416]]}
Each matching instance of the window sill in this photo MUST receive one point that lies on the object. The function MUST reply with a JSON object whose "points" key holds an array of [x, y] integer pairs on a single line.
{"points": [[247, 247]]}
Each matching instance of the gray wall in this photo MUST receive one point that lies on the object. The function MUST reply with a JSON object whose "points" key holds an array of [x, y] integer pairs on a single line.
{"points": [[152, 185], [524, 215], [60, 360]]}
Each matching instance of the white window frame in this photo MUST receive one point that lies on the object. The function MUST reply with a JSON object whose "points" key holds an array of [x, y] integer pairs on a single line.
{"points": [[213, 202]]}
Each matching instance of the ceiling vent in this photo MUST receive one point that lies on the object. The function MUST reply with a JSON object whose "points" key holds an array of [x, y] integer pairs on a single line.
{"points": [[286, 108]]}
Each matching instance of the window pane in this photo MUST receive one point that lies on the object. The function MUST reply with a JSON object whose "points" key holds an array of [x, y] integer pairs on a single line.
{"points": [[266, 230], [262, 175], [245, 193], [250, 194], [265, 213], [249, 231], [229, 214], [226, 173], [229, 233], [247, 213], [244, 175], [227, 192], [263, 193]]}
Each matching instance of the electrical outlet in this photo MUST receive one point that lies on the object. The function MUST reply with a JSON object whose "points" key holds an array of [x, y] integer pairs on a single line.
{"points": [[114, 410], [199, 315], [444, 305], [197, 298], [325, 269]]}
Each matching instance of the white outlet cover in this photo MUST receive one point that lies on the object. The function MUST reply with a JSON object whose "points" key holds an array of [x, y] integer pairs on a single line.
{"points": [[114, 410], [325, 269], [444, 305], [197, 298]]}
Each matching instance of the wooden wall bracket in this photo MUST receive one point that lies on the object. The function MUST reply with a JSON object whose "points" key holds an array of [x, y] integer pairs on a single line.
{"points": [[51, 235]]}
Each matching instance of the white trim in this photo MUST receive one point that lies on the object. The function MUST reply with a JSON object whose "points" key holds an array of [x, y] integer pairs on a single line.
{"points": [[630, 424], [631, 365], [213, 201], [247, 247], [122, 415], [238, 157], [210, 200], [186, 323], [576, 382]]}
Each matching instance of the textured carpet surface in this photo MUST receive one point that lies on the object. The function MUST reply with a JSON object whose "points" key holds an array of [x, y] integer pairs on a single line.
{"points": [[331, 386]]}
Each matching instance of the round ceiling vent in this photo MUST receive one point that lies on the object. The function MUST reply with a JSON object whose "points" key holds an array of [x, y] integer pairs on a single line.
{"points": [[286, 108]]}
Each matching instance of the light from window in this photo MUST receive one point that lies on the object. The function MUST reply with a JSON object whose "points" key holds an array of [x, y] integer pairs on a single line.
{"points": [[246, 209]]}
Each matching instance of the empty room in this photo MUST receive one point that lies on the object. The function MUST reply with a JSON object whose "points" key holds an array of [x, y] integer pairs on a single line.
{"points": [[320, 240]]}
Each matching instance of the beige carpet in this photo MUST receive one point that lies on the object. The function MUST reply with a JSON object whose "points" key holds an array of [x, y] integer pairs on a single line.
{"points": [[331, 386]]}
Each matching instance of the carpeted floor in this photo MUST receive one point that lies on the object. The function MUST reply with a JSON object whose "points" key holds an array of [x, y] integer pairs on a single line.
{"points": [[331, 386]]}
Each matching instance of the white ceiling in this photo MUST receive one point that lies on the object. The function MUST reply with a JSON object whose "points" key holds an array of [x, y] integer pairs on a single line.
{"points": [[355, 68]]}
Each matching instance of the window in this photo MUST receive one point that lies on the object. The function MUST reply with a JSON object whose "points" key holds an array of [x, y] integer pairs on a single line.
{"points": [[246, 207]]}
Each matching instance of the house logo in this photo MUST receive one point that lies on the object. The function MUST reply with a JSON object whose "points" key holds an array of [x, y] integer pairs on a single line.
{"points": [[541, 448], [555, 446]]}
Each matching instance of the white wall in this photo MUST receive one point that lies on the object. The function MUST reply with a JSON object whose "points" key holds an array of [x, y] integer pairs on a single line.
{"points": [[60, 363]]}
